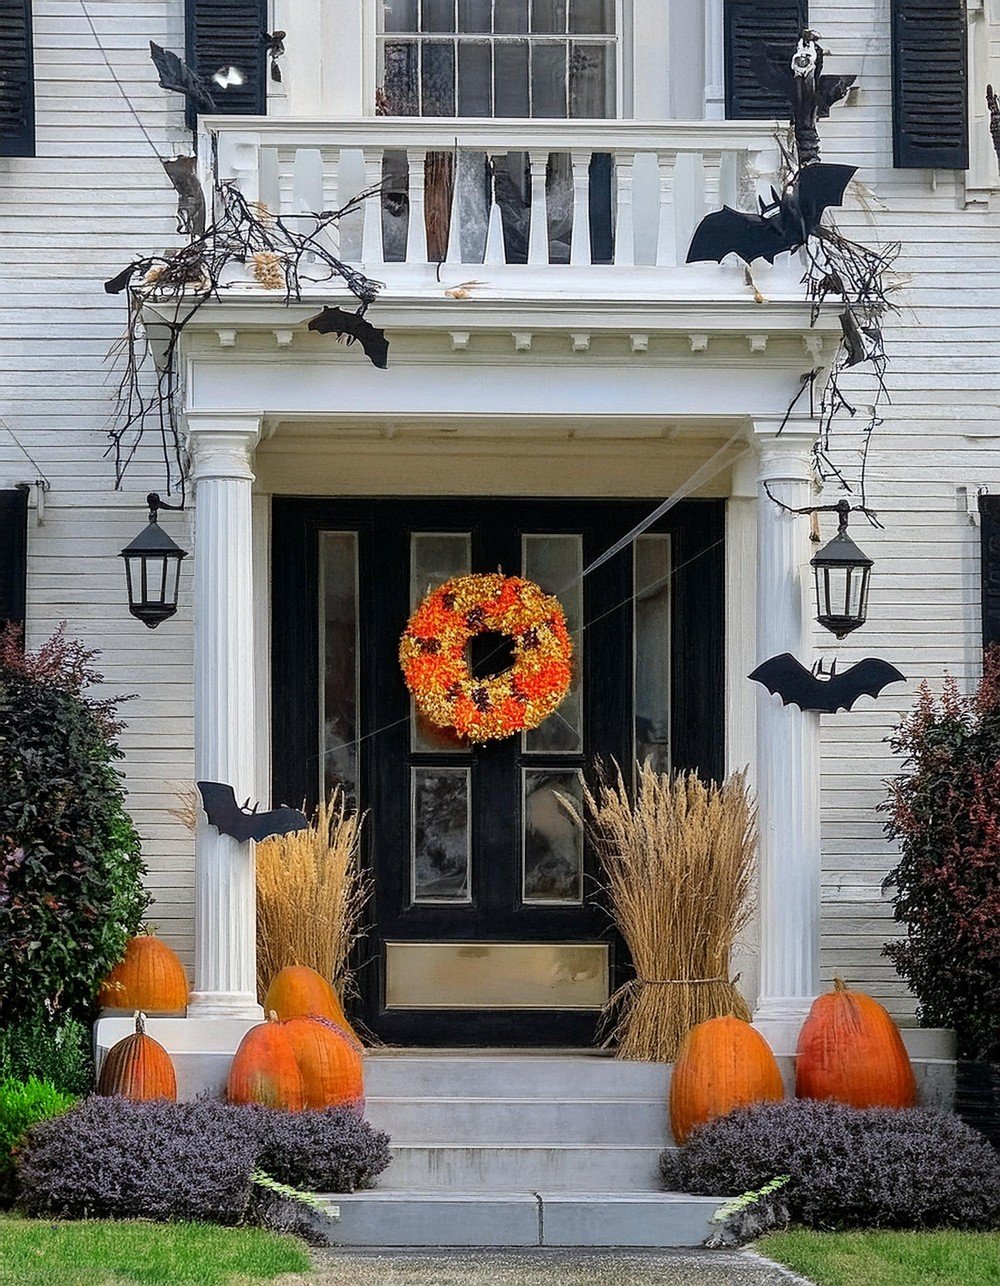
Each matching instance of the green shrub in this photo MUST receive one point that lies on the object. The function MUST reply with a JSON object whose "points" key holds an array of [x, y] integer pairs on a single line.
{"points": [[50, 1049], [23, 1104], [71, 890]]}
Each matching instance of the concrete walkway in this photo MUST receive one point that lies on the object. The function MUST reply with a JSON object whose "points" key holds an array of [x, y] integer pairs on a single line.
{"points": [[540, 1268]]}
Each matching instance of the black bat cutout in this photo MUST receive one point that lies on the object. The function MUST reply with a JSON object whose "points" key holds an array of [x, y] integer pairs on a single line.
{"points": [[116, 284], [177, 76], [225, 814], [338, 321], [798, 686], [786, 224]]}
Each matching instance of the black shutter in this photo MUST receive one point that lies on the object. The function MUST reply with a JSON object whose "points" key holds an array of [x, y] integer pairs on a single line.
{"points": [[748, 25], [17, 80], [223, 33], [930, 85], [989, 527], [13, 555]]}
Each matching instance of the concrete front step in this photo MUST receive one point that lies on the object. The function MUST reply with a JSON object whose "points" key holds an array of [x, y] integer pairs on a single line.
{"points": [[382, 1218], [511, 1075], [477, 1121], [510, 1167]]}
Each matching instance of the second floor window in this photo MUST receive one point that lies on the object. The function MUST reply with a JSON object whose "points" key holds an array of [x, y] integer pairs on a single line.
{"points": [[514, 58]]}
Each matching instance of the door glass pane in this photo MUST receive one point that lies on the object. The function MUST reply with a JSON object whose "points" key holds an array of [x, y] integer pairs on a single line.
{"points": [[548, 79], [435, 557], [338, 660], [556, 563], [401, 87], [553, 842], [652, 650], [440, 848]]}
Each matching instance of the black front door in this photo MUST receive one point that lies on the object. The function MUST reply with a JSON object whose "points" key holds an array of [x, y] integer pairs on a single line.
{"points": [[487, 925]]}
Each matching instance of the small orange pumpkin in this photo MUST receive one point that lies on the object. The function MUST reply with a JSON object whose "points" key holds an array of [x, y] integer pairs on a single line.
{"points": [[150, 978], [265, 1070], [722, 1064], [330, 1064], [851, 1051], [138, 1068], [300, 992]]}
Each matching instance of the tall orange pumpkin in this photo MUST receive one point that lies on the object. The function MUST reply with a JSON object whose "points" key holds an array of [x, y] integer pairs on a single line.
{"points": [[265, 1070], [722, 1064], [138, 1068], [300, 992], [330, 1064], [150, 978], [851, 1051]]}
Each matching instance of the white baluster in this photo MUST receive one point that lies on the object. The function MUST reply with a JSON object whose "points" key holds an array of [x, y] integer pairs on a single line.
{"points": [[286, 179], [666, 237], [711, 164], [330, 162], [416, 229], [496, 250], [580, 248], [624, 228], [538, 234], [372, 250], [239, 156]]}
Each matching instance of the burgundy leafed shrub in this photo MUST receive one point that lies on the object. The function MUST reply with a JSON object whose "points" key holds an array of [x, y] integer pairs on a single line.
{"points": [[848, 1167], [110, 1157], [944, 809]]}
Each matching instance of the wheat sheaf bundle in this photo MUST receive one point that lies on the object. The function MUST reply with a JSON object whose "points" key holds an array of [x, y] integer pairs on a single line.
{"points": [[678, 860], [311, 893]]}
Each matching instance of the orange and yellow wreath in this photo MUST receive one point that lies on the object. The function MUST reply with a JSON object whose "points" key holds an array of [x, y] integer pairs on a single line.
{"points": [[432, 653]]}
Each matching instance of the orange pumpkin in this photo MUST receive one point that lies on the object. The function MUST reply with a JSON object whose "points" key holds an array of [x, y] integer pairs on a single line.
{"points": [[300, 992], [851, 1051], [722, 1064], [150, 978], [138, 1068], [265, 1070], [330, 1065]]}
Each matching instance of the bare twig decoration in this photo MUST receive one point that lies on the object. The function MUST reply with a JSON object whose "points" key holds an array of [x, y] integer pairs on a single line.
{"points": [[994, 109], [179, 283]]}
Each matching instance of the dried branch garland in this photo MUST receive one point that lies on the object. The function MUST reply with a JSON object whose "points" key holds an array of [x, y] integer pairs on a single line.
{"points": [[242, 233]]}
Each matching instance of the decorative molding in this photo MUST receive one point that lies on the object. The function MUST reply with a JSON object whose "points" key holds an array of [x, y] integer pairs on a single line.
{"points": [[283, 338], [699, 343], [580, 340], [757, 343], [460, 340], [227, 338], [638, 343], [522, 340]]}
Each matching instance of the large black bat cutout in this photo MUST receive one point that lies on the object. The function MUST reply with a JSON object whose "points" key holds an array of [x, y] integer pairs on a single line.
{"points": [[798, 686], [225, 814], [338, 321], [785, 224]]}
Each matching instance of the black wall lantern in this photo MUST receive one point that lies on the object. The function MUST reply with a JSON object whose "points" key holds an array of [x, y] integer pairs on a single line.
{"points": [[152, 569], [842, 572]]}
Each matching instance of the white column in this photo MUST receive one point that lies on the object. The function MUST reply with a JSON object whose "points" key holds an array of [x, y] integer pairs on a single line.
{"points": [[225, 969], [787, 768], [715, 67]]}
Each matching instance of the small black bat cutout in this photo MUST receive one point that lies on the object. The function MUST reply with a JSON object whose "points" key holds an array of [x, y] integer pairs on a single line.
{"points": [[225, 814], [338, 321], [177, 76], [798, 686], [786, 224]]}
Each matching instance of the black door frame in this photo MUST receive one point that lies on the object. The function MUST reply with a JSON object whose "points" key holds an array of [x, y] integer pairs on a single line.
{"points": [[697, 693]]}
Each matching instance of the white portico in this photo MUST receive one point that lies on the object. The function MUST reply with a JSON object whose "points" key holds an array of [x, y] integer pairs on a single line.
{"points": [[518, 405]]}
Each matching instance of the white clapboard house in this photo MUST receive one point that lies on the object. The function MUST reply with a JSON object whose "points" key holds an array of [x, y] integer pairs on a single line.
{"points": [[556, 370]]}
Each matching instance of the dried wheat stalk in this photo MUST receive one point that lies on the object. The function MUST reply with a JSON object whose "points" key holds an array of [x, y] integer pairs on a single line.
{"points": [[678, 863], [311, 893]]}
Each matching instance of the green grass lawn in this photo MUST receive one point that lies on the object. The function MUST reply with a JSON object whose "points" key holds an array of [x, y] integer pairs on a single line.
{"points": [[38, 1252], [888, 1258]]}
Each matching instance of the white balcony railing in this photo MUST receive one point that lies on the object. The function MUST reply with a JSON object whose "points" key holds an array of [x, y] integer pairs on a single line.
{"points": [[499, 191]]}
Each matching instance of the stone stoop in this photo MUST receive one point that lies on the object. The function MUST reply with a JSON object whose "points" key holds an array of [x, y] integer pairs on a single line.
{"points": [[518, 1149]]}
